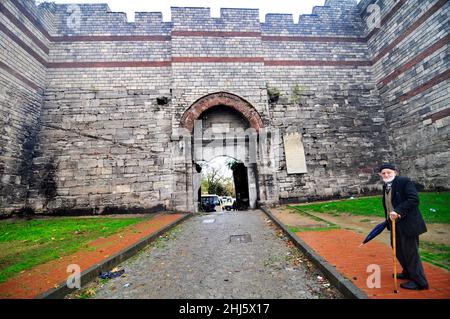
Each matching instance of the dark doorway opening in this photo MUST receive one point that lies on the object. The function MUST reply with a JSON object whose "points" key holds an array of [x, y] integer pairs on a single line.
{"points": [[240, 179]]}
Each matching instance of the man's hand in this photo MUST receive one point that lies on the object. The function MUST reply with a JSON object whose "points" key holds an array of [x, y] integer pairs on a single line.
{"points": [[394, 215]]}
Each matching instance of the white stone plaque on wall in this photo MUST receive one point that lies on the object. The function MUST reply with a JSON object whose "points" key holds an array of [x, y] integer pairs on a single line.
{"points": [[295, 154]]}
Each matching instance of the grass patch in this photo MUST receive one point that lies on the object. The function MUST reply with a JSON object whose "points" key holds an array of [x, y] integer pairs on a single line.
{"points": [[27, 243], [436, 254], [435, 207], [303, 229], [329, 225], [315, 218]]}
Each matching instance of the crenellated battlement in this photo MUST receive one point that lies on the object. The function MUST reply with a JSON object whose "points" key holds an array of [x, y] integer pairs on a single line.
{"points": [[341, 4], [199, 19], [331, 19], [98, 19], [335, 18]]}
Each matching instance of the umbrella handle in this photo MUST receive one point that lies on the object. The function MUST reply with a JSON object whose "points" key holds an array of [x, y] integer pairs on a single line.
{"points": [[394, 253]]}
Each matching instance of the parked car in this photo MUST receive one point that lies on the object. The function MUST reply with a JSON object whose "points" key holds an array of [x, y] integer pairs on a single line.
{"points": [[228, 203], [211, 203]]}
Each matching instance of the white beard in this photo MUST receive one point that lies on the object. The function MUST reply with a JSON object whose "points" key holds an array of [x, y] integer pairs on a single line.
{"points": [[388, 180]]}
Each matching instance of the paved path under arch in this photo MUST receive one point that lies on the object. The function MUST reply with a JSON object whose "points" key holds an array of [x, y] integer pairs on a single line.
{"points": [[201, 260]]}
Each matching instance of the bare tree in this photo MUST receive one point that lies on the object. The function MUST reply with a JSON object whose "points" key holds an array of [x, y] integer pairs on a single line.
{"points": [[214, 180]]}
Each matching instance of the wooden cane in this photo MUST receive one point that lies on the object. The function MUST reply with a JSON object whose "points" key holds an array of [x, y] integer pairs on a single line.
{"points": [[394, 260]]}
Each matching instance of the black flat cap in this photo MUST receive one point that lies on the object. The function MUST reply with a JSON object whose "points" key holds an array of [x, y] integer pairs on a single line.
{"points": [[387, 166]]}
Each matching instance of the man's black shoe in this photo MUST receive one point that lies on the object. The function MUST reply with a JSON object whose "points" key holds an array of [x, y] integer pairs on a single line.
{"points": [[401, 275], [411, 285]]}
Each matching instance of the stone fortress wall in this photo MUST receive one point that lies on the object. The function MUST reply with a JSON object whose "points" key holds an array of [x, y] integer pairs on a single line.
{"points": [[410, 56], [91, 107]]}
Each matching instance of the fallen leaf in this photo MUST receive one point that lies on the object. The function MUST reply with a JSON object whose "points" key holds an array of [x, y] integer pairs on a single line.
{"points": [[90, 292]]}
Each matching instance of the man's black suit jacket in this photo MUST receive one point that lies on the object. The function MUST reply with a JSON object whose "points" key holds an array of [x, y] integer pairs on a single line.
{"points": [[405, 201]]}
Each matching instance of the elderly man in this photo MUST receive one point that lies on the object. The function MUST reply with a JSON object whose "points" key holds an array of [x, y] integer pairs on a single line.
{"points": [[401, 203]]}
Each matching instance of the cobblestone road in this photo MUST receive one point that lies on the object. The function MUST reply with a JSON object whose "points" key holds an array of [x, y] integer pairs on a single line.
{"points": [[201, 258]]}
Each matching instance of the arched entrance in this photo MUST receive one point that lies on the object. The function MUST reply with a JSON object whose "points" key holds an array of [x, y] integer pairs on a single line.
{"points": [[232, 101], [224, 124]]}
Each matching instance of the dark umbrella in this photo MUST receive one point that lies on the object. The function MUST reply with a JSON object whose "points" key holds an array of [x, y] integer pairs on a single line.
{"points": [[375, 232]]}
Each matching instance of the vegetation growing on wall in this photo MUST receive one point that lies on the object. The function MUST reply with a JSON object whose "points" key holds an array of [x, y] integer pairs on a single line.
{"points": [[297, 92], [273, 93]]}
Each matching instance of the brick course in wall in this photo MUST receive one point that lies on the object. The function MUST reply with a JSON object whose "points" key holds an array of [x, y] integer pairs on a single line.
{"points": [[90, 111]]}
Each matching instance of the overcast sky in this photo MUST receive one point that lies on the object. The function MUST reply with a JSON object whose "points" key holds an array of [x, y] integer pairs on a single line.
{"points": [[295, 7], [220, 164]]}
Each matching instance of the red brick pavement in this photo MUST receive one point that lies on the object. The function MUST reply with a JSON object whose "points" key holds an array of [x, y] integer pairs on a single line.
{"points": [[341, 249]]}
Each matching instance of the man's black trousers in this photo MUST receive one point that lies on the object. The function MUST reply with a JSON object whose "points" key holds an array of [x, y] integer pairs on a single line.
{"points": [[407, 249]]}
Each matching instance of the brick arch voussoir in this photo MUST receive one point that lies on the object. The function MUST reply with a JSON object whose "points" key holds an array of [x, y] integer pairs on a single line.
{"points": [[232, 101]]}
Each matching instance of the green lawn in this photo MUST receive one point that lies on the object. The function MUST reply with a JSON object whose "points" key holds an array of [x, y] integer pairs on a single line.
{"points": [[25, 244], [302, 229], [436, 254], [435, 207]]}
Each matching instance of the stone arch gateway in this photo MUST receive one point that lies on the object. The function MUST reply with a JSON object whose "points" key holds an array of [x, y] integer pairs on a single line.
{"points": [[221, 98], [223, 124]]}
